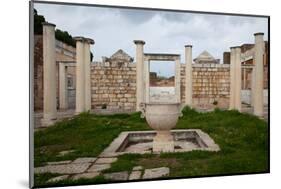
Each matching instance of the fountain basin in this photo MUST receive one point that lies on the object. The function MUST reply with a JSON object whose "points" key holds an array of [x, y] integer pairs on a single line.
{"points": [[162, 117], [141, 142]]}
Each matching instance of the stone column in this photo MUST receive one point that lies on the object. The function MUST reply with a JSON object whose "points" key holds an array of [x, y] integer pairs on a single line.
{"points": [[49, 75], [188, 75], [87, 67], [140, 76], [238, 78], [178, 80], [80, 75], [146, 79], [63, 86], [252, 85], [258, 85], [232, 79]]}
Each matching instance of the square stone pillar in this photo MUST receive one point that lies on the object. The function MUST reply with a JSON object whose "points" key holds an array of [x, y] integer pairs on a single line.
{"points": [[238, 78], [63, 99], [83, 74], [80, 75], [146, 80], [188, 75], [232, 79], [87, 59], [140, 73], [258, 82], [253, 85], [178, 80], [49, 75]]}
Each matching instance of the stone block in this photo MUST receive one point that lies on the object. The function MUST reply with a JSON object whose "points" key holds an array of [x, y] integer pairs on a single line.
{"points": [[117, 176], [63, 169], [137, 168], [156, 173], [98, 167], [85, 160], [59, 162], [90, 175], [135, 175], [106, 160]]}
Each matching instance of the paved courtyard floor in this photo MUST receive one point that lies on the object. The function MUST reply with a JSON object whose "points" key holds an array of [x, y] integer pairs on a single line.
{"points": [[91, 167]]}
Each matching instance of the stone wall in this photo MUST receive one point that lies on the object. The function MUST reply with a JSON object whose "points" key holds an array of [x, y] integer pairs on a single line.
{"points": [[113, 85], [211, 85], [38, 72], [64, 52]]}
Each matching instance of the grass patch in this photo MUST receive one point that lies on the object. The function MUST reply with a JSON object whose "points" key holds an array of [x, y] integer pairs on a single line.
{"points": [[243, 140]]}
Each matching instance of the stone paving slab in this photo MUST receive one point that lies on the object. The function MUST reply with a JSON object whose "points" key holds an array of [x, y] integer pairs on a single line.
{"points": [[117, 176], [156, 172], [137, 168], [85, 160], [59, 162], [63, 169], [106, 160], [85, 175], [98, 167], [135, 175], [59, 178]]}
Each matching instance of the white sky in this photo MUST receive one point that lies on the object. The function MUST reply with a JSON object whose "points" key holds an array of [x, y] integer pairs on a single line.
{"points": [[163, 31]]}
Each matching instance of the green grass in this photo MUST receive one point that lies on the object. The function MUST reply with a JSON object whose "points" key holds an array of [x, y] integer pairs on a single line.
{"points": [[241, 137]]}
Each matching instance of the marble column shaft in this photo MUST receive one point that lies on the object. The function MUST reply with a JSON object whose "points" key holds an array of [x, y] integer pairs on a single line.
{"points": [[238, 78], [49, 75], [258, 82], [140, 73], [188, 75]]}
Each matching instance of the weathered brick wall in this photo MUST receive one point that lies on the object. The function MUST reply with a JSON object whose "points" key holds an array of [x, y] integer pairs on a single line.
{"points": [[38, 72], [64, 52], [113, 85], [211, 83]]}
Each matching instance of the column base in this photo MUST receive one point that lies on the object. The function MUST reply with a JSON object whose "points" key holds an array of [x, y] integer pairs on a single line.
{"points": [[45, 122], [163, 142]]}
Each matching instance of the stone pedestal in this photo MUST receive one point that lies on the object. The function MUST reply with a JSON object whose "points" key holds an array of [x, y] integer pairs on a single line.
{"points": [[258, 82], [163, 142], [140, 73], [49, 75], [188, 75]]}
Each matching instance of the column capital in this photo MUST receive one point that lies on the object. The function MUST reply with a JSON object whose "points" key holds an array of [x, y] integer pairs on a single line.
{"points": [[48, 24], [235, 47], [259, 33], [188, 46], [90, 41], [79, 38], [139, 42], [84, 39]]}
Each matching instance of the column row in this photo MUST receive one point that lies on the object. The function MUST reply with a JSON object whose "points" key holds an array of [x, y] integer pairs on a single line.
{"points": [[83, 79]]}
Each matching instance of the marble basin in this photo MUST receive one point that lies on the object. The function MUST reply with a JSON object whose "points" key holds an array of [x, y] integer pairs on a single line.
{"points": [[162, 117]]}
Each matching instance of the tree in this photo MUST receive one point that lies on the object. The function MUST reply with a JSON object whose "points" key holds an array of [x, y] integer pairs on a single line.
{"points": [[60, 35], [38, 19]]}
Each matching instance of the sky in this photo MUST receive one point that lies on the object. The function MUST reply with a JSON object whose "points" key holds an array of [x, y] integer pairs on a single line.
{"points": [[163, 31]]}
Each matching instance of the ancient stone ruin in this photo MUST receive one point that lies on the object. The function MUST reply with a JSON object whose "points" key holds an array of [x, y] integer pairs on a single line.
{"points": [[121, 84]]}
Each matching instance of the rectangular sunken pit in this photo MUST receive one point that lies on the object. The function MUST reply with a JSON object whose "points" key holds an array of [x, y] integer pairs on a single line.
{"points": [[140, 142]]}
